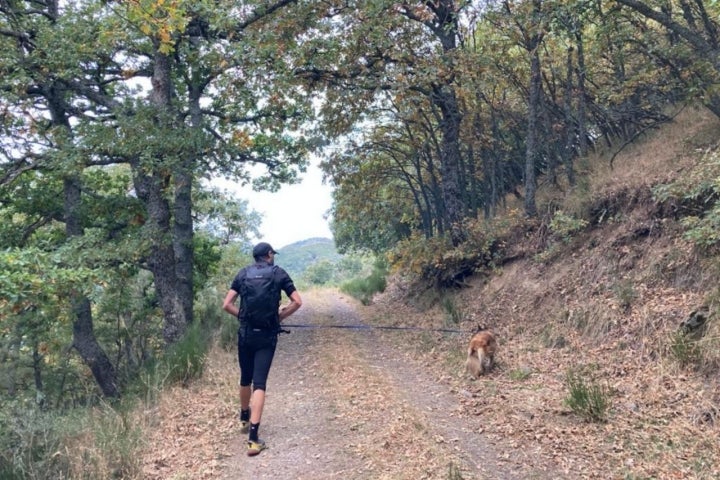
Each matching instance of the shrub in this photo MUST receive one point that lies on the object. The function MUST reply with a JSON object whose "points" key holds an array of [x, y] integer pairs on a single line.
{"points": [[454, 472], [364, 288], [520, 374], [586, 397], [435, 263], [565, 226], [685, 350], [696, 196], [625, 292], [88, 443]]}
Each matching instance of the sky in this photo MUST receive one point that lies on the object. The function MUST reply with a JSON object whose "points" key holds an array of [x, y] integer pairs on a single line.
{"points": [[293, 213]]}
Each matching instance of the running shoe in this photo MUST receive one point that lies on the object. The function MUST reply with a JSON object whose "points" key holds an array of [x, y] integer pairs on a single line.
{"points": [[255, 448]]}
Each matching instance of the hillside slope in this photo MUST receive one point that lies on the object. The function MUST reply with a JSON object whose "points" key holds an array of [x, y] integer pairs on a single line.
{"points": [[604, 307], [298, 256]]}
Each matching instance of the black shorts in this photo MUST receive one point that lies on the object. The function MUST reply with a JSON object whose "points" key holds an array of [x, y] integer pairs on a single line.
{"points": [[256, 349]]}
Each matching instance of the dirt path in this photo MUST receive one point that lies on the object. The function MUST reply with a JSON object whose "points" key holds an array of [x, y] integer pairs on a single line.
{"points": [[345, 403]]}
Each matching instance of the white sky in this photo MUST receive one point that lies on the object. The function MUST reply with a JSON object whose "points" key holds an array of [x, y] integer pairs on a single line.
{"points": [[293, 213]]}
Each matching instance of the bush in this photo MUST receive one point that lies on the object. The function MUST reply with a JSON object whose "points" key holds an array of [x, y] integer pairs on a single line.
{"points": [[586, 397], [697, 196], [437, 264], [685, 350], [565, 226], [364, 288]]}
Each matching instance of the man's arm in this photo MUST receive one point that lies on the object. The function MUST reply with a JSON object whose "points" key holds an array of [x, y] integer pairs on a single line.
{"points": [[292, 307], [229, 303]]}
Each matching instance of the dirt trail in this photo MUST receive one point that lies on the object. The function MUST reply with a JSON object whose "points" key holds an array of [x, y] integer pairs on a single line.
{"points": [[345, 403]]}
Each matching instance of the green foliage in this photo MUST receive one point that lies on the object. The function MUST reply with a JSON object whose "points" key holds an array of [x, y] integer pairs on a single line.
{"points": [[565, 226], [685, 349], [225, 218], [209, 312], [520, 374], [454, 472], [696, 197], [185, 359], [436, 262], [625, 292], [586, 397], [320, 272], [207, 255], [364, 288], [297, 257]]}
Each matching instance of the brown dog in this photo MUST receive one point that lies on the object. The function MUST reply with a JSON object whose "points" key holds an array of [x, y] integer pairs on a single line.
{"points": [[481, 353]]}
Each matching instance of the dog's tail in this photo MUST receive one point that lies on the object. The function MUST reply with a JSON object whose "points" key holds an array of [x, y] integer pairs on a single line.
{"points": [[480, 353]]}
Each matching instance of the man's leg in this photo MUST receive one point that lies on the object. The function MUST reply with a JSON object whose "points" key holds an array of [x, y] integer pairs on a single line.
{"points": [[246, 359], [258, 402], [263, 360], [245, 395]]}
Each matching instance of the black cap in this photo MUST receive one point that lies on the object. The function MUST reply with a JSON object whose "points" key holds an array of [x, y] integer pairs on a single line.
{"points": [[262, 249]]}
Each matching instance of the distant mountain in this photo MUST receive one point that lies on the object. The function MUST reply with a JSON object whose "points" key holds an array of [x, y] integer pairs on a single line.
{"points": [[296, 257]]}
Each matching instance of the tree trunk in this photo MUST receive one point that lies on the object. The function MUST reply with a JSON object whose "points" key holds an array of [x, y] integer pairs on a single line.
{"points": [[444, 98], [152, 189], [183, 220], [84, 340], [161, 260], [582, 97], [37, 376], [568, 151], [86, 344], [531, 139]]}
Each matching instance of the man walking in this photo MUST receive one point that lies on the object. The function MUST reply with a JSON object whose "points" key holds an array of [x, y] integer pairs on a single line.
{"points": [[259, 287]]}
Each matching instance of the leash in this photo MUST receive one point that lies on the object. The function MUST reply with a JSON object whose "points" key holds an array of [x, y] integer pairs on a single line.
{"points": [[373, 327]]}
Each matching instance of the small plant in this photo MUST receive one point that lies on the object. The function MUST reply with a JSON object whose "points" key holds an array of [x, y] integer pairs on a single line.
{"points": [[565, 226], [520, 374], [586, 397], [625, 292], [454, 314], [454, 472], [685, 349]]}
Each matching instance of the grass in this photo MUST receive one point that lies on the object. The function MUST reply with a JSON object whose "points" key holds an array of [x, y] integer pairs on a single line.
{"points": [[520, 374], [454, 312], [454, 472], [98, 441], [685, 350], [586, 397]]}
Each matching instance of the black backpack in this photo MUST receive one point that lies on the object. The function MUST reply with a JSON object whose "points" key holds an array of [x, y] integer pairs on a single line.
{"points": [[260, 297]]}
